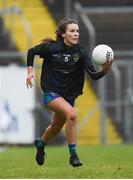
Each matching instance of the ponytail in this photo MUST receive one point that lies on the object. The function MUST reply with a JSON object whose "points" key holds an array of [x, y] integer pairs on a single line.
{"points": [[47, 41]]}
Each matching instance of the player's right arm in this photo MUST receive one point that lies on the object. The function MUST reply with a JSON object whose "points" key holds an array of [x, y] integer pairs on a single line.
{"points": [[30, 77], [42, 50]]}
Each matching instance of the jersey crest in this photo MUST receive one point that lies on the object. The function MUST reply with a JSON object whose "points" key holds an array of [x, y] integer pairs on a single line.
{"points": [[76, 57]]}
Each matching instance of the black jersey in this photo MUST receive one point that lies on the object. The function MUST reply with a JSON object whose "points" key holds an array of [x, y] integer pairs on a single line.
{"points": [[63, 68]]}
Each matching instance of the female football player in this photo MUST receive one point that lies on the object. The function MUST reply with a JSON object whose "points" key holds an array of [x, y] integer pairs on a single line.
{"points": [[62, 80]]}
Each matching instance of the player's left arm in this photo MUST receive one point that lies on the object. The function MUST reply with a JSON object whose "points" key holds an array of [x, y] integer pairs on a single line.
{"points": [[87, 62]]}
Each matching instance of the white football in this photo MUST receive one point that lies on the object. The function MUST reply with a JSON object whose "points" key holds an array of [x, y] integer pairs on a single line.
{"points": [[102, 53]]}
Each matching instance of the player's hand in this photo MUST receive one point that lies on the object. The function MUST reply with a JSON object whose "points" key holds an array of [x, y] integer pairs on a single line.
{"points": [[29, 80], [107, 66]]}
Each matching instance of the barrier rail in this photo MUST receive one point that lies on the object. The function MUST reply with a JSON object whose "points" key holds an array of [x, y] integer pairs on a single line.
{"points": [[16, 10], [125, 61]]}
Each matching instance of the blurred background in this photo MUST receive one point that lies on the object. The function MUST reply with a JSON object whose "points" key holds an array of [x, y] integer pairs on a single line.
{"points": [[105, 110]]}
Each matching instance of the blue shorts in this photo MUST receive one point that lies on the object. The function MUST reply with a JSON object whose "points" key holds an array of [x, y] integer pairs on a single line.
{"points": [[49, 96]]}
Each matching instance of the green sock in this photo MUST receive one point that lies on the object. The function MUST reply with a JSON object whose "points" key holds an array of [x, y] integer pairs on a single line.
{"points": [[72, 148], [40, 143]]}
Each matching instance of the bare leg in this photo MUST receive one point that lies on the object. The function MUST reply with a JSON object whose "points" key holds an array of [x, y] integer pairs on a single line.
{"points": [[56, 125], [66, 112], [70, 129], [50, 132]]}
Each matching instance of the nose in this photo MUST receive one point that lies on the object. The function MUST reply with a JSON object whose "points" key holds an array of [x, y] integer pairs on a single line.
{"points": [[76, 34]]}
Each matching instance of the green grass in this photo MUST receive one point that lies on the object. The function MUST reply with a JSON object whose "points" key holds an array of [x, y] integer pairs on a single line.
{"points": [[112, 161]]}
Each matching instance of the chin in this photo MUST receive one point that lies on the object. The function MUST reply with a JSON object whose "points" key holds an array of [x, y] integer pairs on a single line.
{"points": [[74, 42]]}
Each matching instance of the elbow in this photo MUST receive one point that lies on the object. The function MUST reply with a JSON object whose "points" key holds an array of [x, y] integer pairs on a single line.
{"points": [[94, 78], [30, 57]]}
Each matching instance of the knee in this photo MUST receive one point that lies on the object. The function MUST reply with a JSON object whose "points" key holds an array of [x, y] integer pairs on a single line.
{"points": [[72, 115]]}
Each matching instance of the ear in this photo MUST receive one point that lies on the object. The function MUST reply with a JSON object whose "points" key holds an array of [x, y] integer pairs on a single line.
{"points": [[63, 35]]}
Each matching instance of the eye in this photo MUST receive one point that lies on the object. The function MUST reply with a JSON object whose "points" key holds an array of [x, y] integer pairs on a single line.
{"points": [[72, 30]]}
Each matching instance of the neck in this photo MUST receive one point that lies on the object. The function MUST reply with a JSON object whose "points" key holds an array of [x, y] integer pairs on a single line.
{"points": [[67, 43]]}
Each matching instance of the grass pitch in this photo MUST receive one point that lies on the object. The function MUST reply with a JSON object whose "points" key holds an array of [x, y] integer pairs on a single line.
{"points": [[110, 161]]}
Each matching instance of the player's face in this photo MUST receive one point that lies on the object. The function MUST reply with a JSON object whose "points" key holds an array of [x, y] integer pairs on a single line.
{"points": [[71, 35]]}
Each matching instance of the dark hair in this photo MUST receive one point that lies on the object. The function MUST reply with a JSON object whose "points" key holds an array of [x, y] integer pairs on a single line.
{"points": [[62, 26], [48, 40]]}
